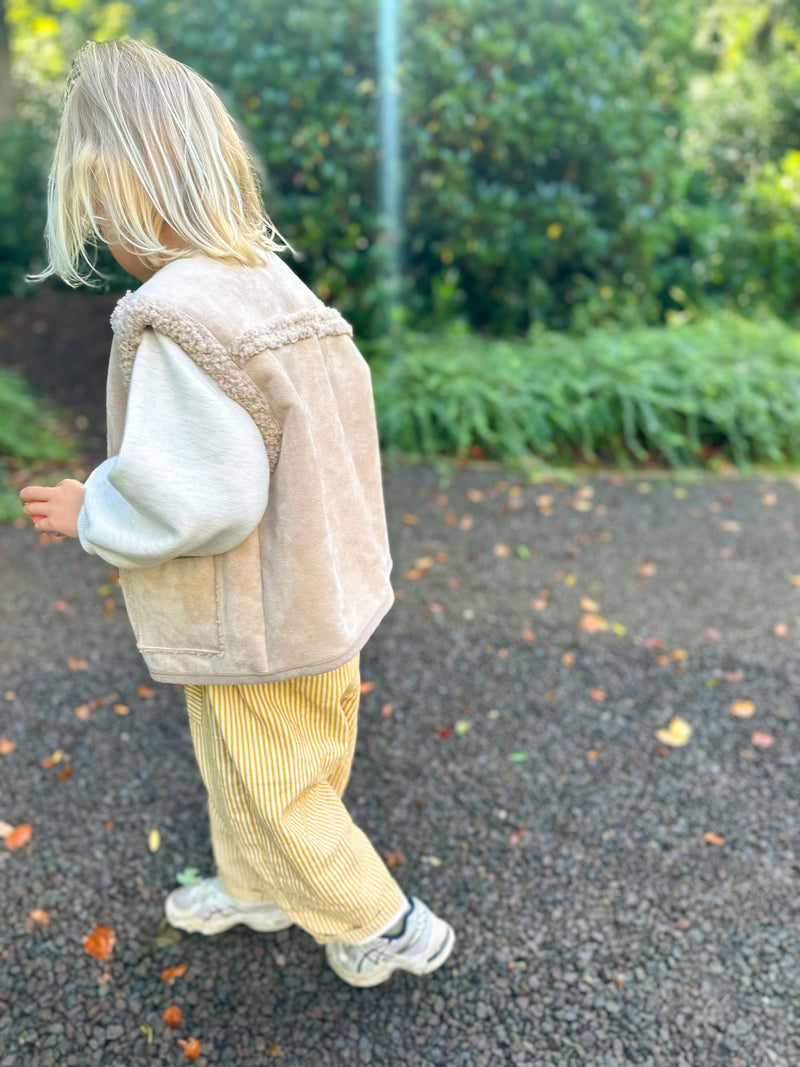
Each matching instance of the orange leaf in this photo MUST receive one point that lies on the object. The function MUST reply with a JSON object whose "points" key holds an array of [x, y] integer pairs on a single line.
{"points": [[528, 635], [501, 551], [145, 691], [445, 733], [171, 973], [61, 606], [75, 664], [173, 1017], [568, 659], [191, 1047], [6, 746], [743, 709], [780, 629], [593, 624], [19, 836], [274, 1050], [36, 919], [395, 859], [65, 772], [713, 839], [100, 943], [82, 712], [410, 520], [121, 709], [476, 495], [539, 604], [367, 687], [592, 755], [646, 570], [587, 604], [597, 694], [679, 654], [466, 523], [387, 710]]}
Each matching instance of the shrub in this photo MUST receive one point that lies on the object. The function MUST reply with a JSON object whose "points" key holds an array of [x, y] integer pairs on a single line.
{"points": [[689, 394]]}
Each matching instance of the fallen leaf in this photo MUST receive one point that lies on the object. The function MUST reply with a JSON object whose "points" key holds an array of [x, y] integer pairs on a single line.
{"points": [[677, 734], [597, 694], [6, 746], [173, 1017], [191, 1047], [82, 712], [387, 711], [145, 691], [442, 557], [147, 1031], [5, 828], [274, 1050], [587, 604], [743, 709], [110, 605], [121, 709], [761, 739], [653, 642], [395, 859], [713, 839], [100, 943], [679, 654], [515, 837], [780, 629], [712, 635], [65, 772], [476, 495], [366, 687], [518, 757], [445, 733], [463, 726], [414, 575], [9, 694], [539, 604], [733, 676], [410, 520], [51, 761], [523, 552], [189, 876], [593, 624], [171, 973], [19, 836], [36, 919], [795, 579], [436, 609], [466, 523], [424, 563], [501, 551], [769, 499], [528, 635], [592, 754], [60, 606], [75, 664], [154, 840], [646, 570]]}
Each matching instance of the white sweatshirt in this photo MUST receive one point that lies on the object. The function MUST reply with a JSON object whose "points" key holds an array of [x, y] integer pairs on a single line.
{"points": [[176, 488]]}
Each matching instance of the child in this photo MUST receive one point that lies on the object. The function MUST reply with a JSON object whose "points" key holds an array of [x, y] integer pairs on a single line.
{"points": [[241, 500]]}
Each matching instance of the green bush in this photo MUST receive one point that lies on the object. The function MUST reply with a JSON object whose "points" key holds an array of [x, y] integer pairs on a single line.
{"points": [[23, 164], [30, 436], [724, 387]]}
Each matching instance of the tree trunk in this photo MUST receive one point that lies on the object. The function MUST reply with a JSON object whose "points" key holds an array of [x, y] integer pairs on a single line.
{"points": [[6, 94]]}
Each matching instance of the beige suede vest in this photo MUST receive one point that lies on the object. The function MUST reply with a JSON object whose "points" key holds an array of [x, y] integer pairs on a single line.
{"points": [[302, 594]]}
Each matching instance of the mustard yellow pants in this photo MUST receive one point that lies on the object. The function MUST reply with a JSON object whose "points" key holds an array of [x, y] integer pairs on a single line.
{"points": [[275, 759]]}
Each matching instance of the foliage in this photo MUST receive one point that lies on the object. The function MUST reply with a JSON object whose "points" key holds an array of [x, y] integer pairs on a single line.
{"points": [[29, 435], [689, 394], [23, 165], [564, 163]]}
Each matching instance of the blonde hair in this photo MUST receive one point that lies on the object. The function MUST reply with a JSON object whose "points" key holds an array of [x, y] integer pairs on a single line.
{"points": [[143, 141]]}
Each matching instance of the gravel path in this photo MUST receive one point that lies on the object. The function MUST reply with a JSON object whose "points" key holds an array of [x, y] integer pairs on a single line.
{"points": [[616, 900]]}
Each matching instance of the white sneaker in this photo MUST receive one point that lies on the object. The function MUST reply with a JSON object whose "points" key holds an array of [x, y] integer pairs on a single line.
{"points": [[206, 908], [422, 945]]}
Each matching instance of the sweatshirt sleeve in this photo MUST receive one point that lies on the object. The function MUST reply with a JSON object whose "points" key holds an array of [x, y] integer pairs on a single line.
{"points": [[192, 474]]}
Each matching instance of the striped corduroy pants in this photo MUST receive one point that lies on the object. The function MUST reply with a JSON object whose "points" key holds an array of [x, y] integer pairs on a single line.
{"points": [[275, 759]]}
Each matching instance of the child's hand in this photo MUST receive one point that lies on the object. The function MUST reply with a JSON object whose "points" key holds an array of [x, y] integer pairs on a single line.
{"points": [[54, 509]]}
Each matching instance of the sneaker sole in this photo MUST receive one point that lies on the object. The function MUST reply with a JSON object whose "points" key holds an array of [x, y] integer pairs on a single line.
{"points": [[193, 925], [383, 972]]}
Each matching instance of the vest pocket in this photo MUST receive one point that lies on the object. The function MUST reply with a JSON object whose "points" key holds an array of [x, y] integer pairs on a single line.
{"points": [[176, 607]]}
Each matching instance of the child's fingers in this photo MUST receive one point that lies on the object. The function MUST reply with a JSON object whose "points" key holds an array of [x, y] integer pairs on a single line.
{"points": [[35, 492]]}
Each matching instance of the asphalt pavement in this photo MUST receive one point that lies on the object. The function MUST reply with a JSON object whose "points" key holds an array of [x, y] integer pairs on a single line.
{"points": [[579, 743]]}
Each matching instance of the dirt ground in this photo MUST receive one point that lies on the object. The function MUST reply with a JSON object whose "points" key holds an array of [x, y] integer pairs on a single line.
{"points": [[60, 341]]}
